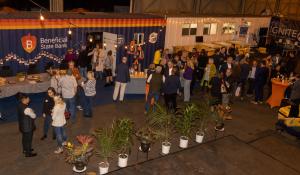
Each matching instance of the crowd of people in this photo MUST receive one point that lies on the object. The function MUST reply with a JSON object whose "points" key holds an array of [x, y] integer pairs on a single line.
{"points": [[226, 74]]}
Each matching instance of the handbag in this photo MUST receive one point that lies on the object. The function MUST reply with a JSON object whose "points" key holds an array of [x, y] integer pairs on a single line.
{"points": [[67, 115]]}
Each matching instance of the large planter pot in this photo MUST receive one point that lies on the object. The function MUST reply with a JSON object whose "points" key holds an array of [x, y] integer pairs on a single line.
{"points": [[123, 159], [165, 147], [184, 141], [145, 146], [199, 137], [79, 167], [103, 167]]}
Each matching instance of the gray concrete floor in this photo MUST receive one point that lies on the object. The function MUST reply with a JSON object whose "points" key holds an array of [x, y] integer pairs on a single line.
{"points": [[249, 145]]}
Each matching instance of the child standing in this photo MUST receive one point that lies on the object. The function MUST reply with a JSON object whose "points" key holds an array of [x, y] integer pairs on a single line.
{"points": [[58, 123], [89, 88], [209, 71]]}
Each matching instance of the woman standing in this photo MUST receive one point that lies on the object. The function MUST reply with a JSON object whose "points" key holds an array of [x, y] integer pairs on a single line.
{"points": [[188, 76], [58, 122], [47, 110], [209, 71], [108, 64], [89, 88]]}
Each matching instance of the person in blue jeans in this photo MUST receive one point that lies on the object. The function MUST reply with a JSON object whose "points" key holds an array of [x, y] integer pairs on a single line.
{"points": [[155, 82], [47, 111], [58, 122], [89, 88], [68, 86]]}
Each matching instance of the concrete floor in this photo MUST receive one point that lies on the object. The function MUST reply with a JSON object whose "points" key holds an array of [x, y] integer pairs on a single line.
{"points": [[249, 145]]}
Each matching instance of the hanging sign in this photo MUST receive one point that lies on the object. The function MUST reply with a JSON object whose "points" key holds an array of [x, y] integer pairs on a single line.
{"points": [[153, 37]]}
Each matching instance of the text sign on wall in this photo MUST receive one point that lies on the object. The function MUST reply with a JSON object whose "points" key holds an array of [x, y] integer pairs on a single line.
{"points": [[285, 28]]}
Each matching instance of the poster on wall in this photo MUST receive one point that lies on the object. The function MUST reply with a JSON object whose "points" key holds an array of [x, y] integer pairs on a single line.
{"points": [[285, 30]]}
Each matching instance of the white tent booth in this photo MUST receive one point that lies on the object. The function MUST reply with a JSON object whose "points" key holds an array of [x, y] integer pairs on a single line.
{"points": [[213, 32]]}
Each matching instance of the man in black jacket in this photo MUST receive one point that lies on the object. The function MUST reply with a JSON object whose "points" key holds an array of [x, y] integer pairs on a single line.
{"points": [[26, 118], [83, 61], [171, 88]]}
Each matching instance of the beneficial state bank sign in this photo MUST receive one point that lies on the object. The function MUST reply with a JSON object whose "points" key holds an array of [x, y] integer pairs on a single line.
{"points": [[29, 43], [285, 29]]}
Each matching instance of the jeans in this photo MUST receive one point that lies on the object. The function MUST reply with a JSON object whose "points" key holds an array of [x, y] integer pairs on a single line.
{"points": [[251, 86], [80, 97], [27, 141], [186, 92], [88, 105], [71, 103], [99, 75], [225, 99], [151, 95], [119, 90], [259, 91], [60, 135], [83, 71], [47, 124]]}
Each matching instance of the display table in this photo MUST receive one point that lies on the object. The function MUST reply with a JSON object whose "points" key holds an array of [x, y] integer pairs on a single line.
{"points": [[13, 86], [136, 85], [278, 89]]}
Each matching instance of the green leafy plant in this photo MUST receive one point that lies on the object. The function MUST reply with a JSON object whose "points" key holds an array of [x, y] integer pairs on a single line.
{"points": [[161, 121], [79, 153], [185, 119], [106, 143], [123, 131]]}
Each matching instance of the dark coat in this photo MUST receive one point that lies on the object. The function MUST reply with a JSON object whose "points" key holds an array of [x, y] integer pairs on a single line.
{"points": [[26, 123], [48, 105], [122, 72], [172, 84], [261, 75]]}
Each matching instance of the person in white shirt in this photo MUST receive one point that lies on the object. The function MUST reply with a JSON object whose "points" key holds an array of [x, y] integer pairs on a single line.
{"points": [[68, 86], [251, 78], [98, 60], [58, 123]]}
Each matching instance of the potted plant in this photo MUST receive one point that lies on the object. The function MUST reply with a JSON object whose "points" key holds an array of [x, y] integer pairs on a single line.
{"points": [[146, 136], [106, 147], [203, 115], [185, 123], [79, 155], [161, 120], [123, 131]]}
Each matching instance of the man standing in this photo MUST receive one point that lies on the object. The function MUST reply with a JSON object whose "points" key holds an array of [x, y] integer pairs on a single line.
{"points": [[68, 86], [26, 118], [261, 77], [83, 61], [295, 98], [122, 79], [155, 82]]}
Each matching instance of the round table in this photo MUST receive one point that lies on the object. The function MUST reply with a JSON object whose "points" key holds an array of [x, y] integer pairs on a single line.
{"points": [[278, 89]]}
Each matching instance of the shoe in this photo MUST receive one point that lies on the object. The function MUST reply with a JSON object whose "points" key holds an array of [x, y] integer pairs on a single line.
{"points": [[24, 152], [260, 102], [58, 151], [44, 137], [115, 101], [31, 154], [145, 112], [254, 102], [79, 108], [64, 143], [220, 127], [228, 117]]}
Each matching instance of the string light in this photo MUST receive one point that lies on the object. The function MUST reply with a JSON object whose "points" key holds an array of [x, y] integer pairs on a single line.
{"points": [[42, 18], [104, 44], [70, 31]]}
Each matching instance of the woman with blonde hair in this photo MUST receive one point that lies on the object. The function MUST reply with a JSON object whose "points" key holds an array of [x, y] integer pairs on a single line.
{"points": [[58, 123], [209, 72], [188, 76], [89, 88]]}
